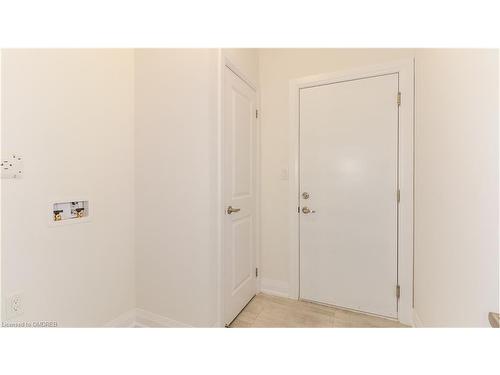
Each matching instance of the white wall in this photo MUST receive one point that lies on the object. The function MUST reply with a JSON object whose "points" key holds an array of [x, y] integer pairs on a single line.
{"points": [[176, 180], [456, 223], [176, 137], [1, 226], [70, 114], [456, 182]]}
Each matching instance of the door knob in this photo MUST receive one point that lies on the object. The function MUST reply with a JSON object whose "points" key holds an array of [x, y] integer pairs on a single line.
{"points": [[230, 210], [306, 210]]}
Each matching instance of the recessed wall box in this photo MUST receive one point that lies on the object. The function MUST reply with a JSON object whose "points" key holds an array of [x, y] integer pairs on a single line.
{"points": [[70, 211]]}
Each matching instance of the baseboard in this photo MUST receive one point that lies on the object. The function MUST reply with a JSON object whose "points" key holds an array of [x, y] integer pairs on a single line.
{"points": [[138, 318], [125, 320], [148, 319], [417, 323], [274, 287]]}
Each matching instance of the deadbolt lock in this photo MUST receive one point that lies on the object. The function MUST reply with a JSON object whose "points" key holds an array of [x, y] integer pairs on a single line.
{"points": [[305, 195]]}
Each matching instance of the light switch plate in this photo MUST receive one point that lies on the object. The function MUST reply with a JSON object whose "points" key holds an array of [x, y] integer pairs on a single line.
{"points": [[12, 166], [284, 174]]}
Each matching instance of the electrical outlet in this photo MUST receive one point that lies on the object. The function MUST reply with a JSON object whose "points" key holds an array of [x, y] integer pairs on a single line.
{"points": [[12, 166], [14, 305]]}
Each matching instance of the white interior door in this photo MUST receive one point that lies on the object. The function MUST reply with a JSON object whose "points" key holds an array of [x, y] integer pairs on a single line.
{"points": [[239, 194], [349, 168]]}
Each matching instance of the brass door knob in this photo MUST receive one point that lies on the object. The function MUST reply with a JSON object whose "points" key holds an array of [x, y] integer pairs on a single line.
{"points": [[230, 210], [306, 210]]}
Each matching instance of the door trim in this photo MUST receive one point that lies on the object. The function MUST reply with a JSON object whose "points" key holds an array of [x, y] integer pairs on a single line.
{"points": [[223, 62], [405, 68]]}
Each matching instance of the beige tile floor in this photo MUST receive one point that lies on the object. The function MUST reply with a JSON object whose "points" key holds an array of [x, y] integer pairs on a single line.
{"points": [[270, 311]]}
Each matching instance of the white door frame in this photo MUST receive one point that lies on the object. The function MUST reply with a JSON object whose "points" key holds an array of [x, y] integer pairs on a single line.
{"points": [[224, 62], [405, 69]]}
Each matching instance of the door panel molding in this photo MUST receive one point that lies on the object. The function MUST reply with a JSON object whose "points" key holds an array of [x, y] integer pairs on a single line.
{"points": [[405, 68]]}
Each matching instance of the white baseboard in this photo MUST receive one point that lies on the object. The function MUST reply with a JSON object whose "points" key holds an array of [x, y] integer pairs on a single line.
{"points": [[417, 323], [274, 287], [125, 320], [148, 319], [138, 318]]}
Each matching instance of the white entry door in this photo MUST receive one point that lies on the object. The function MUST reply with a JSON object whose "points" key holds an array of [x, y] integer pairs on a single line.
{"points": [[239, 258], [348, 194]]}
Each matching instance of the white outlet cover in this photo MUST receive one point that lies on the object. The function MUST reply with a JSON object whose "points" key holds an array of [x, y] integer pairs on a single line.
{"points": [[14, 305], [12, 166]]}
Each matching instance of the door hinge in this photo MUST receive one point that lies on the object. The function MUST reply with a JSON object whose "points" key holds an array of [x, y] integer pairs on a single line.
{"points": [[399, 196], [256, 272], [399, 99], [256, 113], [398, 291]]}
